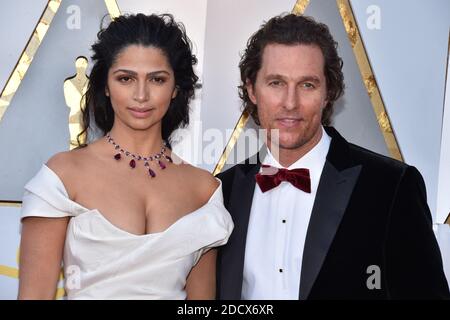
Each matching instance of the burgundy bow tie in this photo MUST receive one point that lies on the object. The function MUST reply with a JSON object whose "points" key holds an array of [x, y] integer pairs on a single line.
{"points": [[271, 177]]}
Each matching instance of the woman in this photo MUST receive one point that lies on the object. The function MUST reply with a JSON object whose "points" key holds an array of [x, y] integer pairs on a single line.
{"points": [[127, 221]]}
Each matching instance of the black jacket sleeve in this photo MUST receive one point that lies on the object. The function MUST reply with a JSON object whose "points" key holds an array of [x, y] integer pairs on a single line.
{"points": [[413, 260]]}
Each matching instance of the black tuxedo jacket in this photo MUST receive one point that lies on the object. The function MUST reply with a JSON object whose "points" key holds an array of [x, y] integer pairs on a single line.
{"points": [[369, 210]]}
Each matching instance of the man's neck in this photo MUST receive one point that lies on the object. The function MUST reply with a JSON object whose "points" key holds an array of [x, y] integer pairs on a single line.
{"points": [[286, 157]]}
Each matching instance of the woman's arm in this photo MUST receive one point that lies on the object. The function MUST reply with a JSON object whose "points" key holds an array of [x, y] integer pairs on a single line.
{"points": [[41, 251], [201, 282]]}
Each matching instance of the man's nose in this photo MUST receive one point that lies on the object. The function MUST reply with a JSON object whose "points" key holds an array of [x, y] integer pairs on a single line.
{"points": [[291, 98]]}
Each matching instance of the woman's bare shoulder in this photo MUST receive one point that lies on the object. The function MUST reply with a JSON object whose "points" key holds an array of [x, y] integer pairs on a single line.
{"points": [[200, 179], [63, 163]]}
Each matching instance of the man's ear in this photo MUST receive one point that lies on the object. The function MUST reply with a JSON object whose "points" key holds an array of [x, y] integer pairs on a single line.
{"points": [[250, 90]]}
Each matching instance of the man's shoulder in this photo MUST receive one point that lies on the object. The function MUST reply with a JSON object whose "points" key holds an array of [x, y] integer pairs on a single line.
{"points": [[366, 156], [343, 151], [381, 166], [237, 172], [243, 167], [228, 174], [378, 169]]}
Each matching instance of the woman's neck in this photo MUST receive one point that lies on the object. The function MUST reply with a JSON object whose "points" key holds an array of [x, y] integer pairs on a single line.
{"points": [[139, 142]]}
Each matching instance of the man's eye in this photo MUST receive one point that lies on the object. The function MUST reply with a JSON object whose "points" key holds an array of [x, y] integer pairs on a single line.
{"points": [[308, 85], [275, 83]]}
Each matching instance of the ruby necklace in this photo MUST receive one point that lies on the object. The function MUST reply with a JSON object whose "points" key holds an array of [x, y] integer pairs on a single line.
{"points": [[136, 157]]}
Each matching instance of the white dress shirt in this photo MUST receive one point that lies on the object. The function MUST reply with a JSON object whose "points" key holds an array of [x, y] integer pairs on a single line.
{"points": [[277, 229]]}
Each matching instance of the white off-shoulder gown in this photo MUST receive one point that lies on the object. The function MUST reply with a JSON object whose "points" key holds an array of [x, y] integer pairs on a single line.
{"points": [[102, 261]]}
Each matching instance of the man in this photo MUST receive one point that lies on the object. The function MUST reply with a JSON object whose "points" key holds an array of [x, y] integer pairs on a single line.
{"points": [[317, 217]]}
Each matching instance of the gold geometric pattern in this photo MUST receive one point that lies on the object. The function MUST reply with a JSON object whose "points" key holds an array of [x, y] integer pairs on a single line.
{"points": [[233, 139], [371, 85], [349, 22], [300, 6], [383, 122], [10, 204], [27, 56], [113, 8], [365, 69]]}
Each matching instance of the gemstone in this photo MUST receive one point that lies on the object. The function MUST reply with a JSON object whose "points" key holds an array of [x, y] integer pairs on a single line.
{"points": [[127, 153], [117, 156], [168, 158], [139, 157], [146, 164], [151, 173], [161, 164], [117, 147], [132, 163]]}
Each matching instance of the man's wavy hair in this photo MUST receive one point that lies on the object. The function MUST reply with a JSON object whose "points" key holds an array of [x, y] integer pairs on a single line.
{"points": [[158, 31], [290, 29]]}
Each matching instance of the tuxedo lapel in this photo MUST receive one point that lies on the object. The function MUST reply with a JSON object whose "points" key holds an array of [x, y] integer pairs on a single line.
{"points": [[233, 253], [337, 181]]}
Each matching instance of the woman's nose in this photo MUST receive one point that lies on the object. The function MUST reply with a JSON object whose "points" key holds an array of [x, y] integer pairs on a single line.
{"points": [[141, 93]]}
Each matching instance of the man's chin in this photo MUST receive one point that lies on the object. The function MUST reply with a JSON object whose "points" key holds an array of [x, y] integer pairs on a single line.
{"points": [[289, 144]]}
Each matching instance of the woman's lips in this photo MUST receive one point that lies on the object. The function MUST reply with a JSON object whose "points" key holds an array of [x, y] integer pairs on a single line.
{"points": [[140, 113]]}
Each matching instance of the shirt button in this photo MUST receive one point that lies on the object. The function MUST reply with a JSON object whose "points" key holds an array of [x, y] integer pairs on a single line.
{"points": [[284, 221], [281, 270]]}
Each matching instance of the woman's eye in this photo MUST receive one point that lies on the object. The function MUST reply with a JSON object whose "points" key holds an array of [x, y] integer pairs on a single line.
{"points": [[158, 80], [124, 79]]}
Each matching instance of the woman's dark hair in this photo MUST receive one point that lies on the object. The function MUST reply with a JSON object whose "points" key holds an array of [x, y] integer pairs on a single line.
{"points": [[291, 29], [159, 31]]}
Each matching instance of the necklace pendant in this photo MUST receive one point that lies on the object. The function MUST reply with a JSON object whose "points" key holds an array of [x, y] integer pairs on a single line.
{"points": [[161, 157], [161, 164]]}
